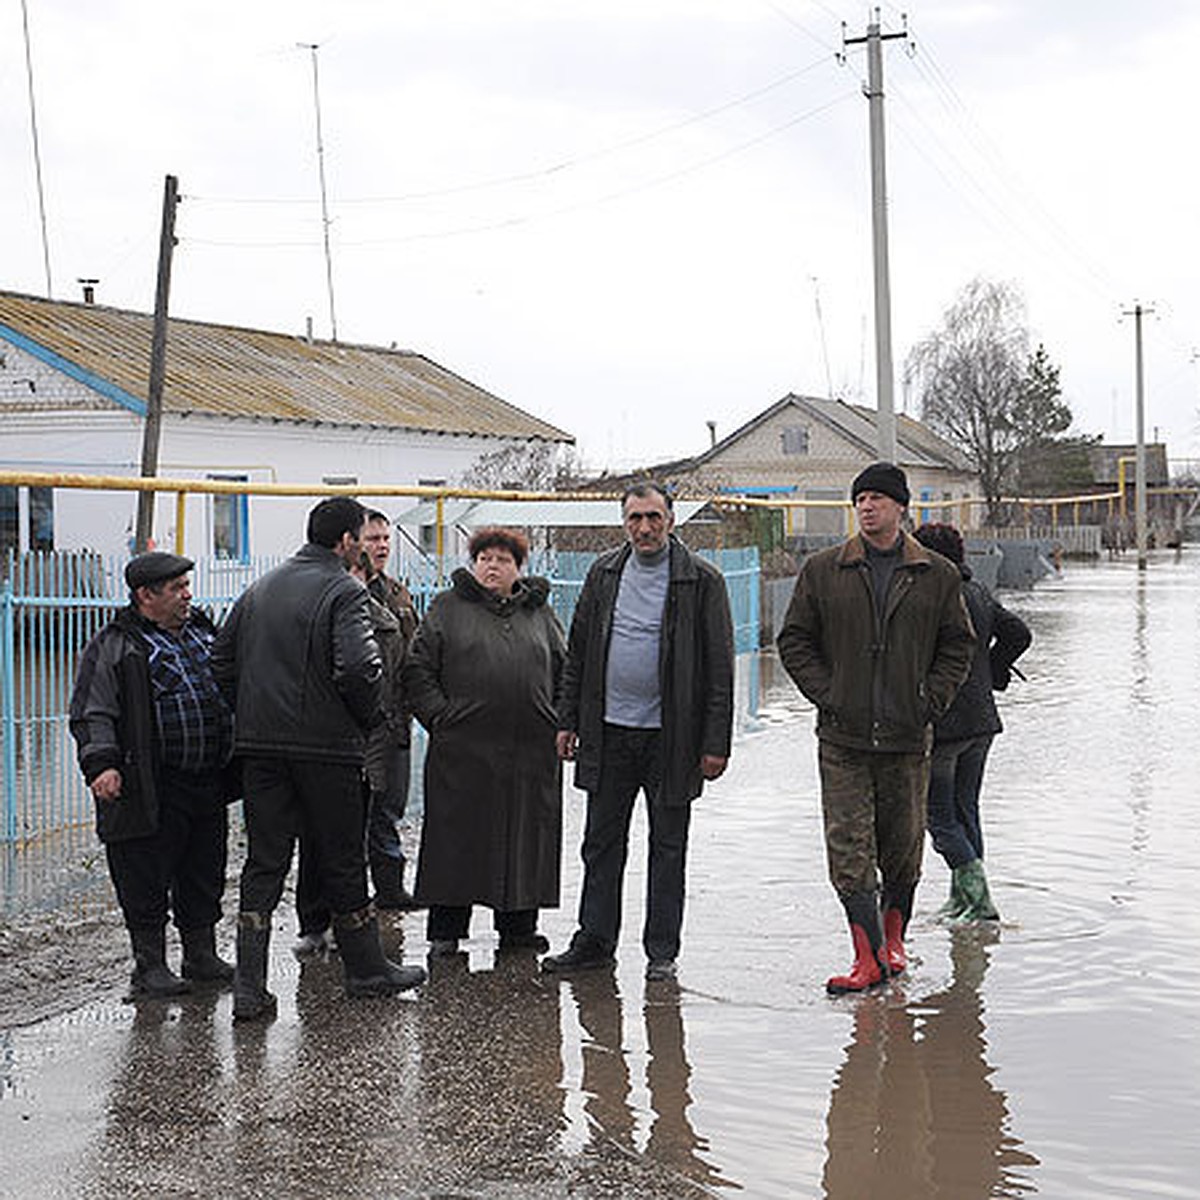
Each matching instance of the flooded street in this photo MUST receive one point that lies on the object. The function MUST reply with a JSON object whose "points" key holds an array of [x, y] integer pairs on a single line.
{"points": [[1057, 1054]]}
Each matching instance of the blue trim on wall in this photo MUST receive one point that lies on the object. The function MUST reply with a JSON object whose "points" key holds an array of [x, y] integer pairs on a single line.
{"points": [[108, 390]]}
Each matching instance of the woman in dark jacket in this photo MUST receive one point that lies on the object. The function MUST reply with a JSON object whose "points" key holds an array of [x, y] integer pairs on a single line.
{"points": [[482, 677], [963, 735]]}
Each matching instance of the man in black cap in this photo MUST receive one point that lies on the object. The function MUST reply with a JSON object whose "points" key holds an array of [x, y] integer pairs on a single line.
{"points": [[878, 638], [154, 738]]}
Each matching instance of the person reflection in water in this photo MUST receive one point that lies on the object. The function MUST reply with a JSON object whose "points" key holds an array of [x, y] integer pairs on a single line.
{"points": [[913, 1114], [673, 1142]]}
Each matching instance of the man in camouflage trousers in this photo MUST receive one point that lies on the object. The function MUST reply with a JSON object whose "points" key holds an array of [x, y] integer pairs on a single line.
{"points": [[878, 638]]}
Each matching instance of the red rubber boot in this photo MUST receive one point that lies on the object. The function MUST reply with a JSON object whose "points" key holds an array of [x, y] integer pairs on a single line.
{"points": [[867, 970]]}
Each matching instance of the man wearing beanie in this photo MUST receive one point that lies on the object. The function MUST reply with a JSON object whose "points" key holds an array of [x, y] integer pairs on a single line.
{"points": [[878, 638], [154, 739]]}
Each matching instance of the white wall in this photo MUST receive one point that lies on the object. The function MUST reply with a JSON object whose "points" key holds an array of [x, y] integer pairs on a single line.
{"points": [[109, 443]]}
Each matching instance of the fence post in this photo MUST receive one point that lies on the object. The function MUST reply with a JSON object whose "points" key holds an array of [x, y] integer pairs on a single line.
{"points": [[8, 700]]}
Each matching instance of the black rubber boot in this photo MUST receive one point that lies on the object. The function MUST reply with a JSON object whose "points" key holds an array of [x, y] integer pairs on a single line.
{"points": [[368, 971], [200, 960], [151, 977], [251, 1000], [387, 874]]}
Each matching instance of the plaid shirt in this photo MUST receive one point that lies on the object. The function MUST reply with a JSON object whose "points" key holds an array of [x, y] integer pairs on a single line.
{"points": [[195, 725]]}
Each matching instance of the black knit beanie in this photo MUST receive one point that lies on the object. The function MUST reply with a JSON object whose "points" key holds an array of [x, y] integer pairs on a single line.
{"points": [[884, 477]]}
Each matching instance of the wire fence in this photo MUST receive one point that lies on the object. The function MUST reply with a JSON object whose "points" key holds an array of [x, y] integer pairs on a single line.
{"points": [[53, 604]]}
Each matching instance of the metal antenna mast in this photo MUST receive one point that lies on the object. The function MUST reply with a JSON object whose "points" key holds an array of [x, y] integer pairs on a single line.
{"points": [[37, 153], [312, 48]]}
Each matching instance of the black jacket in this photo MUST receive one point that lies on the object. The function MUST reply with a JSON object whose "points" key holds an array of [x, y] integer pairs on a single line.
{"points": [[695, 669], [1003, 638], [298, 663], [114, 725], [482, 676]]}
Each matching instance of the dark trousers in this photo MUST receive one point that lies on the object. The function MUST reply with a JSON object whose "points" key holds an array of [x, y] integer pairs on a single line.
{"points": [[181, 868], [452, 923], [630, 762], [873, 803], [323, 803], [955, 779], [388, 805]]}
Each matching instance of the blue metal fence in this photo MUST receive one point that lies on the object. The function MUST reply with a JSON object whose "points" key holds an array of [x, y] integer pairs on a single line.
{"points": [[51, 605]]}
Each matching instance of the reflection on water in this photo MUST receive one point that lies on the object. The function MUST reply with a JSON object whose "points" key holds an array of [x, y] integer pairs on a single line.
{"points": [[913, 1114]]}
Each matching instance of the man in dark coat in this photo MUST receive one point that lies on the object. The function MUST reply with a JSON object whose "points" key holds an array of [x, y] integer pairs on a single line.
{"points": [[154, 737], [647, 705], [297, 660], [878, 638]]}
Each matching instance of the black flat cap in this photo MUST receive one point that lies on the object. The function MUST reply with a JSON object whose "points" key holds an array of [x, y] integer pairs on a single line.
{"points": [[155, 567]]}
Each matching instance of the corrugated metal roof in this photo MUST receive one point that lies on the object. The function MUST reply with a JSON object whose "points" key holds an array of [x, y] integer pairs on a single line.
{"points": [[224, 371]]}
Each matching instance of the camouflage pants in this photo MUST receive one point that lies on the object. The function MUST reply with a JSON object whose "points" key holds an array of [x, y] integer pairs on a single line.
{"points": [[874, 809]]}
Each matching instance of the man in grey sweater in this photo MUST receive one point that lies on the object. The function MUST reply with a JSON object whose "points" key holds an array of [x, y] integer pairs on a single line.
{"points": [[647, 705]]}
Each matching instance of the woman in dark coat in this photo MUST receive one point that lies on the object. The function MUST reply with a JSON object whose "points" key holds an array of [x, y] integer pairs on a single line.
{"points": [[963, 735], [482, 677]]}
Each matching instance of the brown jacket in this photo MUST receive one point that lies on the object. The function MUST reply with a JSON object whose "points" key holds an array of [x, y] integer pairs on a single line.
{"points": [[877, 683]]}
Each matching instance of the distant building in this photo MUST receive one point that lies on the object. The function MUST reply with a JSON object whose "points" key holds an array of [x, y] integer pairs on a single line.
{"points": [[243, 405], [805, 448], [1106, 461]]}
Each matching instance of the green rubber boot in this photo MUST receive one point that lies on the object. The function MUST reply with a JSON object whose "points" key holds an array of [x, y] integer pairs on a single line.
{"points": [[956, 902], [973, 884]]}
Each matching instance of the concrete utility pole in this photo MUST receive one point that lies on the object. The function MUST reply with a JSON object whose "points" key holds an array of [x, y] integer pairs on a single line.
{"points": [[1139, 490], [885, 400], [152, 430]]}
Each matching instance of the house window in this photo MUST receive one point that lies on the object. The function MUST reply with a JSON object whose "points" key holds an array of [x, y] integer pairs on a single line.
{"points": [[41, 518], [231, 522], [795, 439], [10, 519]]}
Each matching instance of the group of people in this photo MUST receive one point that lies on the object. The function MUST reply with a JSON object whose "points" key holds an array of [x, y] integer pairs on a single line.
{"points": [[301, 705]]}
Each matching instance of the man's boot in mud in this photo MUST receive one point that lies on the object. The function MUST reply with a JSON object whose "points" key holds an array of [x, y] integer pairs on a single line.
{"points": [[251, 1000], [897, 909], [977, 899], [200, 961], [368, 971], [866, 932], [387, 874], [152, 978]]}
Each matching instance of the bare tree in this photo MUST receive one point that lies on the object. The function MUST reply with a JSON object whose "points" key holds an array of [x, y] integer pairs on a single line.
{"points": [[983, 390]]}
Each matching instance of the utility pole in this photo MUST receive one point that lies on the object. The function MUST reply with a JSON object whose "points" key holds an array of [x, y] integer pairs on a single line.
{"points": [[152, 430], [37, 153], [885, 401], [312, 48], [1139, 490]]}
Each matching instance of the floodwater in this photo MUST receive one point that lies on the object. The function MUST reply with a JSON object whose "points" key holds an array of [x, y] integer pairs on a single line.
{"points": [[1056, 1054]]}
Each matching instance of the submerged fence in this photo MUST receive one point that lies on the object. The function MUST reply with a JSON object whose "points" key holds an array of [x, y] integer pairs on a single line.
{"points": [[51, 605]]}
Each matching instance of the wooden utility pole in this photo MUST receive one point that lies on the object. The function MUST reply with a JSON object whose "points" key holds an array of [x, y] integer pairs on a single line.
{"points": [[151, 432], [1139, 483], [884, 399]]}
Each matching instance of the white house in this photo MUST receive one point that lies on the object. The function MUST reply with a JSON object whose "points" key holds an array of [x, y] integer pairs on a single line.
{"points": [[239, 405]]}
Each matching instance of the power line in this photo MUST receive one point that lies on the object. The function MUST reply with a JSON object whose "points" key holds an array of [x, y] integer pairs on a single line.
{"points": [[539, 173]]}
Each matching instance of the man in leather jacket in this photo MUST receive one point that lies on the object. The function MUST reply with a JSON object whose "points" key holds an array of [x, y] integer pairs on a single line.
{"points": [[153, 736], [297, 661]]}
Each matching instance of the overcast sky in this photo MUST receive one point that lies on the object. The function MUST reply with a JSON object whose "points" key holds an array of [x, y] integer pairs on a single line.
{"points": [[627, 217]]}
